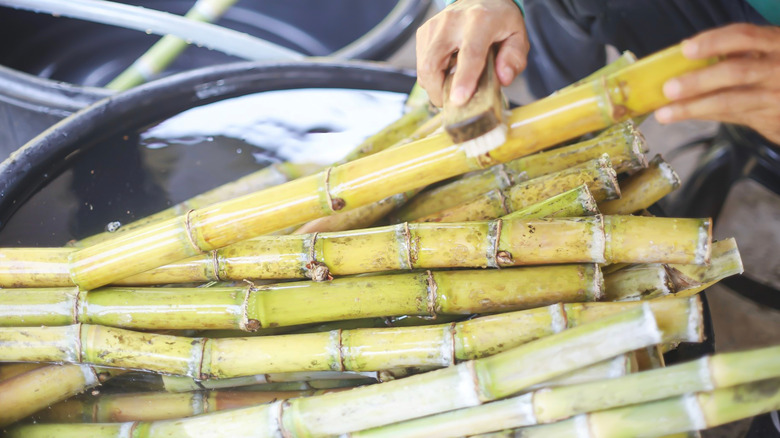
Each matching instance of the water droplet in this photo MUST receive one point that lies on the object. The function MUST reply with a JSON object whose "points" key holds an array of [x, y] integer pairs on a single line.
{"points": [[148, 31], [113, 226], [239, 150]]}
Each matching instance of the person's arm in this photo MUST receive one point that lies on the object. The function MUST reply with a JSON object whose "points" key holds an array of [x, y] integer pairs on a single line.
{"points": [[470, 27], [743, 89]]}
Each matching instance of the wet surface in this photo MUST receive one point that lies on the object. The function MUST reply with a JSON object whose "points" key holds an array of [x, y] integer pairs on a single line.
{"points": [[139, 173]]}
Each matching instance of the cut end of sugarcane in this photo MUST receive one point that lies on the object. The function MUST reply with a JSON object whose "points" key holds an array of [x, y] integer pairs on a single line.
{"points": [[704, 244], [486, 142], [666, 170]]}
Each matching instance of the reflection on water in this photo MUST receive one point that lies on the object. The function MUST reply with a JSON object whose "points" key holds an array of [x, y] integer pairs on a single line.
{"points": [[135, 174]]}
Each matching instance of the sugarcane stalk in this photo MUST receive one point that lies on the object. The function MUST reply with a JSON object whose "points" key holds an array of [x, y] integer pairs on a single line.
{"points": [[549, 405], [633, 90], [29, 392], [366, 215], [313, 379], [246, 361], [683, 413], [287, 257], [643, 189], [168, 48], [638, 282], [609, 369], [9, 370], [597, 174], [270, 176], [624, 145], [726, 261], [624, 60], [463, 385], [248, 307], [151, 406]]}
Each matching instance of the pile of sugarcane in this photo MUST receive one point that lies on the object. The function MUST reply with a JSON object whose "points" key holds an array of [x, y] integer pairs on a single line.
{"points": [[408, 291]]}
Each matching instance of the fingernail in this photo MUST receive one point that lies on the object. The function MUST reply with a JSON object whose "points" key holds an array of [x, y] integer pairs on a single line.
{"points": [[458, 96], [690, 48], [672, 89], [664, 115], [507, 75]]}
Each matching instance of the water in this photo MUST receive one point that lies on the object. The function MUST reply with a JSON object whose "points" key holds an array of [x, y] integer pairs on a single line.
{"points": [[138, 173]]}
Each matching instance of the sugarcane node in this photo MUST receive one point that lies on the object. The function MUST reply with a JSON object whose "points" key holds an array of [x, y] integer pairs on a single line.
{"points": [[337, 204], [505, 258], [318, 271], [252, 325]]}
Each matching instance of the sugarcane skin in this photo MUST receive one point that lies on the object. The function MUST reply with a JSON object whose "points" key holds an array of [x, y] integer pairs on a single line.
{"points": [[532, 128]]}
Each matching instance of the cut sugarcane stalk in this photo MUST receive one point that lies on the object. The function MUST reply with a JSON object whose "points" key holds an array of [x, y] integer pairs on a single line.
{"points": [[168, 48], [624, 145], [624, 60], [634, 90], [609, 369], [247, 360], [248, 307], [456, 387], [683, 413], [549, 405], [649, 358], [636, 239], [638, 282], [151, 406], [643, 189], [281, 257], [598, 175], [725, 262]]}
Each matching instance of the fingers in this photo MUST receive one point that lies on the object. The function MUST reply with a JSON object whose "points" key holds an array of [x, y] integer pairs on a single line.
{"points": [[733, 72], [734, 105], [470, 27], [735, 38], [512, 58]]}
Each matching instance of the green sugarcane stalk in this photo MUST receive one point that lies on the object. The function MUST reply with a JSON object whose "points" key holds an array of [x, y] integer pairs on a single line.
{"points": [[597, 174], [550, 405], [248, 307], [643, 189], [689, 412], [634, 90], [725, 262], [455, 387], [168, 48], [247, 361], [511, 241], [624, 145]]}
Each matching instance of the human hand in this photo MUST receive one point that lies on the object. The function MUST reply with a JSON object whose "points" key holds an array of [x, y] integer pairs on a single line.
{"points": [[743, 88], [470, 27]]}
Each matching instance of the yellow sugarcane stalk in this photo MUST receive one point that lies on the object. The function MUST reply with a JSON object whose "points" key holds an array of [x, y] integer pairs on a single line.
{"points": [[643, 189], [249, 360], [34, 390], [638, 282], [249, 307], [151, 406], [726, 261], [598, 175], [624, 145], [634, 90]]}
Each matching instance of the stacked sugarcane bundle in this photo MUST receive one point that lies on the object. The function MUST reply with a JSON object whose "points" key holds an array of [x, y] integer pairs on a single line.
{"points": [[533, 289]]}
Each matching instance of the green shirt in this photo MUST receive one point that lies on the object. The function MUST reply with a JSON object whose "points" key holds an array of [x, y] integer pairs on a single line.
{"points": [[769, 9]]}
